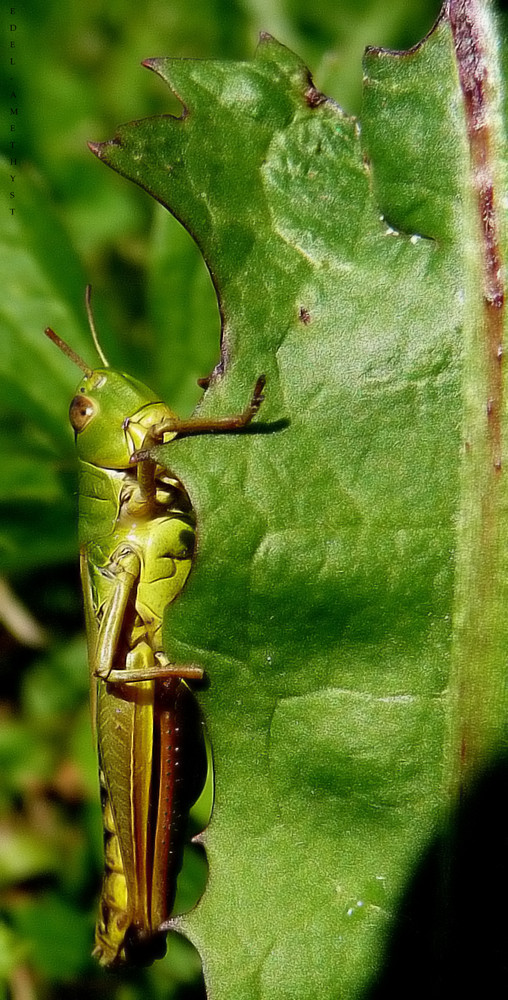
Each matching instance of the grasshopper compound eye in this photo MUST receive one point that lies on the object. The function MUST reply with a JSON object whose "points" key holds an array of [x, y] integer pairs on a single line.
{"points": [[81, 411]]}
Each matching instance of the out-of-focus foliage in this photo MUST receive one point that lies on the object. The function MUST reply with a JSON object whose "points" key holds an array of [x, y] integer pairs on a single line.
{"points": [[76, 76]]}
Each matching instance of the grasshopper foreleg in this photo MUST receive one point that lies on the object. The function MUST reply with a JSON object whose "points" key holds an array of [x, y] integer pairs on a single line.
{"points": [[201, 425], [211, 425]]}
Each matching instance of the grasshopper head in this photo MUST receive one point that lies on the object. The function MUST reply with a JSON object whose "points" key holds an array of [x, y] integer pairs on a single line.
{"points": [[110, 413]]}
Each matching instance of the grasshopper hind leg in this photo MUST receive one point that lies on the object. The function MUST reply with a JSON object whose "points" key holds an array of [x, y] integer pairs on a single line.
{"points": [[181, 763]]}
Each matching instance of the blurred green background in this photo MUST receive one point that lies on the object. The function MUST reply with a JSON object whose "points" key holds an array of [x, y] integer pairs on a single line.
{"points": [[77, 75]]}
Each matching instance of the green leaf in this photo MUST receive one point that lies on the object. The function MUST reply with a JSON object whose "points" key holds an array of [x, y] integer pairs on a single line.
{"points": [[348, 592]]}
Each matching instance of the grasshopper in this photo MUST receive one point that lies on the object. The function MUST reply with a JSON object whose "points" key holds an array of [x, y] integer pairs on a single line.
{"points": [[136, 534]]}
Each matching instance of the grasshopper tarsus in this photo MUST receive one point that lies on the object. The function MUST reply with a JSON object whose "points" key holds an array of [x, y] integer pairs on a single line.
{"points": [[140, 456], [257, 396]]}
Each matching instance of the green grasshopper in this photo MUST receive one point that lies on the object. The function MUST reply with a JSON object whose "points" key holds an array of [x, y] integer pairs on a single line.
{"points": [[136, 533]]}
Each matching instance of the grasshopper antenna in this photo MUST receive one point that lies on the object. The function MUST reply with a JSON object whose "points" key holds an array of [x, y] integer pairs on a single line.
{"points": [[91, 323], [68, 351]]}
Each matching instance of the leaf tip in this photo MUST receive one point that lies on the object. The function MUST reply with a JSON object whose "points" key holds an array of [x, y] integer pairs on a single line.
{"points": [[151, 64], [95, 148], [163, 67], [99, 148]]}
